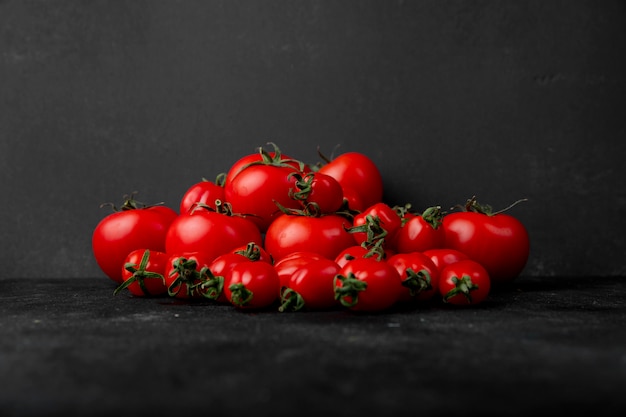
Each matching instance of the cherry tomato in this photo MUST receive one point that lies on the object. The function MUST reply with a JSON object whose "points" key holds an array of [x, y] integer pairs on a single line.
{"points": [[311, 287], [376, 222], [134, 226], [289, 264], [252, 285], [356, 171], [188, 276], [464, 282], [421, 232], [443, 257], [210, 233], [204, 192], [359, 251], [420, 275], [143, 273], [499, 242], [326, 235], [366, 284], [318, 189]]}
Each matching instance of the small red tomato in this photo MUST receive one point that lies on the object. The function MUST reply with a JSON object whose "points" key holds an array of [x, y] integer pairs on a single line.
{"points": [[420, 276], [252, 285], [366, 284], [204, 192], [292, 262], [320, 190], [310, 287], [376, 222], [420, 233], [464, 282], [143, 273]]}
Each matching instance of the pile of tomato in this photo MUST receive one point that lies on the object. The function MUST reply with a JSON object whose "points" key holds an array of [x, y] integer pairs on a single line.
{"points": [[275, 232]]}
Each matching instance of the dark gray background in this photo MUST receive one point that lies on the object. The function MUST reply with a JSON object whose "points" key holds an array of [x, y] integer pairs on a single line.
{"points": [[504, 100]]}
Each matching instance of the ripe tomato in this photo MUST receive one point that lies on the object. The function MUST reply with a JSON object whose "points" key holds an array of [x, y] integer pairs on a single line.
{"points": [[366, 284], [310, 287], [420, 275], [320, 190], [360, 251], [252, 285], [143, 273], [204, 192], [286, 266], [443, 257], [499, 241], [326, 235], [188, 276], [210, 233], [379, 221], [420, 233], [356, 171], [132, 227], [464, 282]]}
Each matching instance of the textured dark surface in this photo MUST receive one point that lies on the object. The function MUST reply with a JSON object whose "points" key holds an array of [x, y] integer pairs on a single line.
{"points": [[69, 347]]}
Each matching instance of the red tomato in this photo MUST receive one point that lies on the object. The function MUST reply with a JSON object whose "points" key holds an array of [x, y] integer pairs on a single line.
{"points": [[356, 171], [366, 284], [352, 200], [464, 282], [292, 262], [443, 257], [143, 273], [252, 285], [359, 251], [320, 190], [420, 275], [188, 276], [326, 235], [133, 227], [210, 233], [310, 287], [420, 233], [379, 221], [204, 192], [499, 242]]}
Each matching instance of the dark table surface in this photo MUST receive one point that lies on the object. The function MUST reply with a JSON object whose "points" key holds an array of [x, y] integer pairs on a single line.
{"points": [[69, 347]]}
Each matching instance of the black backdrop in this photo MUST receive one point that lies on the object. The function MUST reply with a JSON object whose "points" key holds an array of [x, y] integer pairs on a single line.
{"points": [[504, 100]]}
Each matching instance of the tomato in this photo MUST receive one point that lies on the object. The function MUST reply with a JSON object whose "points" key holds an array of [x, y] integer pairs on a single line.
{"points": [[253, 252], [188, 276], [326, 235], [366, 284], [143, 273], [310, 286], [320, 190], [356, 171], [420, 275], [258, 189], [379, 221], [204, 192], [499, 241], [352, 200], [464, 282], [360, 251], [210, 233], [252, 285], [420, 233], [292, 262], [134, 226], [443, 257]]}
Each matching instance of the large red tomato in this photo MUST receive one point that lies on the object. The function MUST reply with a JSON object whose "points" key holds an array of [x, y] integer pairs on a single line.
{"points": [[132, 227], [499, 242], [356, 171], [327, 235]]}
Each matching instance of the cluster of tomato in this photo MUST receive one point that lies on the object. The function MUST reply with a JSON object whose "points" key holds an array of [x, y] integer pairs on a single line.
{"points": [[274, 231]]}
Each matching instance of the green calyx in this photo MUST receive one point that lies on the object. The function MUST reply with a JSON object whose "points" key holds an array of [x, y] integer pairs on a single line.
{"points": [[348, 292], [463, 285], [240, 295], [472, 205], [290, 300], [275, 160], [139, 275], [252, 251], [417, 282], [433, 216], [195, 282]]}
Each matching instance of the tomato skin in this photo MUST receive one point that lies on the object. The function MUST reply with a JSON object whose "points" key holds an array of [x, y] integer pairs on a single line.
{"points": [[203, 192], [419, 273], [252, 285], [473, 289], [388, 220], [380, 288], [210, 233], [417, 235], [326, 235], [121, 232], [310, 287], [292, 262], [356, 171], [143, 273], [498, 242], [443, 257]]}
